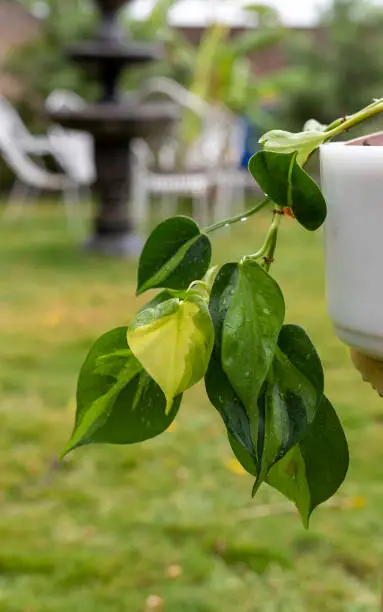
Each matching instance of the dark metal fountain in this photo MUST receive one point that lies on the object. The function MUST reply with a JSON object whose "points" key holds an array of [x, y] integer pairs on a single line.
{"points": [[114, 122]]}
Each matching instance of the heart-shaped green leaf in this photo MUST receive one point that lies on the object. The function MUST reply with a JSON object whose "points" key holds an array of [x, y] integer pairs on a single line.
{"points": [[223, 397], [173, 341], [287, 404], [117, 401], [250, 334], [297, 346], [287, 184], [243, 455], [314, 469], [272, 172], [175, 254], [308, 203], [218, 387], [221, 296], [287, 408]]}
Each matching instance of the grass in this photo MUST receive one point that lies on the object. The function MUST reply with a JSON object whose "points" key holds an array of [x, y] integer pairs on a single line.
{"points": [[173, 517]]}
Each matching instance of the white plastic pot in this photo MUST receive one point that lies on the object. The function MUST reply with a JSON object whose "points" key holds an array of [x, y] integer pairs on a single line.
{"points": [[352, 184]]}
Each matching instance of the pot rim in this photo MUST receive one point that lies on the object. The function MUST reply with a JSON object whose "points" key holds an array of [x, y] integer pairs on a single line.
{"points": [[370, 141]]}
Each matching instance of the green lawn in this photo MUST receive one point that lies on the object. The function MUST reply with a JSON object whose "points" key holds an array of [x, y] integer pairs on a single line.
{"points": [[174, 517]]}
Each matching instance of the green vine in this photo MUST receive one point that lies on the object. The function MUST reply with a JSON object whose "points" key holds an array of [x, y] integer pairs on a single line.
{"points": [[263, 376]]}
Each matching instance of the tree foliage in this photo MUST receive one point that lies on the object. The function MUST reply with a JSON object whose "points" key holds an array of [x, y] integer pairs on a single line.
{"points": [[340, 64]]}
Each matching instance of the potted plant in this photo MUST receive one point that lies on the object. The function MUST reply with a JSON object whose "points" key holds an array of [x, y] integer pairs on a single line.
{"points": [[351, 183], [262, 374]]}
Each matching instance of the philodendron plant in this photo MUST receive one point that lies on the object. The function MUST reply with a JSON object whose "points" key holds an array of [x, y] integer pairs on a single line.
{"points": [[227, 325]]}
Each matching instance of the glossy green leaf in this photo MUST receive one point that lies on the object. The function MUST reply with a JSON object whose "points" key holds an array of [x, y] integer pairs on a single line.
{"points": [[218, 387], [308, 203], [221, 296], [173, 341], [272, 172], [243, 455], [287, 404], [287, 184], [314, 469], [223, 397], [287, 408], [250, 333], [175, 254], [297, 346], [289, 400], [117, 402]]}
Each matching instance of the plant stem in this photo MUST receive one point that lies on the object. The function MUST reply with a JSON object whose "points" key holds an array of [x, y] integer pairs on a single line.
{"points": [[237, 218], [271, 240], [265, 255], [346, 123]]}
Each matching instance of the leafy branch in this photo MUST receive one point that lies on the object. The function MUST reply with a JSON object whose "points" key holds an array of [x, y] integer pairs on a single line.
{"points": [[263, 376]]}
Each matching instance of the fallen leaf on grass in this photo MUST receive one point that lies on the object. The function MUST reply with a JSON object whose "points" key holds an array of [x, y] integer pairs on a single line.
{"points": [[154, 603], [173, 571]]}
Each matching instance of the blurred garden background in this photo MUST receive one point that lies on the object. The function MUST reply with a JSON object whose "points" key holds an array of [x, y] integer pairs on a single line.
{"points": [[170, 525]]}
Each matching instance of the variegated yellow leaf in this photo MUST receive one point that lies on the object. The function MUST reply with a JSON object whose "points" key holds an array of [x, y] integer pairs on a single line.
{"points": [[173, 342]]}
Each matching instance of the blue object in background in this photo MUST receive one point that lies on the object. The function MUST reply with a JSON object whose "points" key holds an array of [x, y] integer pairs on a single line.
{"points": [[251, 135]]}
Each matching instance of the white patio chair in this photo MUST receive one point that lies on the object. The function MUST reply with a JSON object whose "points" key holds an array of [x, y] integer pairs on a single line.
{"points": [[18, 147], [64, 98], [166, 184], [34, 145], [74, 152], [73, 149], [31, 178], [174, 91], [204, 161]]}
